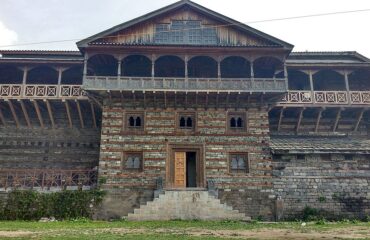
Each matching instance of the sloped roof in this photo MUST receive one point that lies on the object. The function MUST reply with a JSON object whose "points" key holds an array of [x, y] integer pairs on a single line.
{"points": [[327, 57], [240, 26], [319, 144]]}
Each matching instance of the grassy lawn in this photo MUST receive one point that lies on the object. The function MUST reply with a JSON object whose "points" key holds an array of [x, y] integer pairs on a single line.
{"points": [[182, 230]]}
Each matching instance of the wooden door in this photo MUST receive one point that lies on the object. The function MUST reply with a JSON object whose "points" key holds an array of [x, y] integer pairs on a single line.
{"points": [[180, 169]]}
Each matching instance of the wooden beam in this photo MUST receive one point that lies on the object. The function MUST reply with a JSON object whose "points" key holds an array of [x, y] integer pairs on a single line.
{"points": [[300, 119], [280, 118], [175, 104], [144, 99], [68, 110], [207, 94], [93, 115], [165, 100], [38, 112], [318, 119], [133, 97], [154, 100], [80, 114], [227, 100], [99, 104], [25, 113], [359, 118], [14, 113], [110, 97], [217, 99], [122, 98], [337, 119], [237, 101], [196, 99], [2, 118], [50, 111], [186, 100]]}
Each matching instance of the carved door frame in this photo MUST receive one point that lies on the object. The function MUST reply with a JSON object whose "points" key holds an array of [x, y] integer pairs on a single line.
{"points": [[170, 163]]}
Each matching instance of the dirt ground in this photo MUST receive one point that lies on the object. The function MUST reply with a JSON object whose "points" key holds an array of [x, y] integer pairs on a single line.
{"points": [[262, 233]]}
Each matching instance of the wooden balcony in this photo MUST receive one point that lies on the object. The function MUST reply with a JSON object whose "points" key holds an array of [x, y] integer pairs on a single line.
{"points": [[39, 91], [261, 85], [326, 98]]}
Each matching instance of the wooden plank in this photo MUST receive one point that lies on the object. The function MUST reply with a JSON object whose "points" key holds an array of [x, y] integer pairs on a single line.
{"points": [[25, 113], [180, 169], [2, 118], [93, 115], [80, 114], [359, 119], [68, 110], [14, 113], [50, 111], [38, 112]]}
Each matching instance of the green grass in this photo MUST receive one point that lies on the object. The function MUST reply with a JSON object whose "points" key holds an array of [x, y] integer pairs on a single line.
{"points": [[162, 230]]}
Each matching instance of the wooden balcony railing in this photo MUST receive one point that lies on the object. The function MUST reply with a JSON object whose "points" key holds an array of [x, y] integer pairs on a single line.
{"points": [[44, 179], [41, 91], [326, 97], [185, 84]]}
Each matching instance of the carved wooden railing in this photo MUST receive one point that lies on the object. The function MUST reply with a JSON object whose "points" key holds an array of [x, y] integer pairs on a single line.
{"points": [[185, 84], [44, 179], [326, 97], [41, 91]]}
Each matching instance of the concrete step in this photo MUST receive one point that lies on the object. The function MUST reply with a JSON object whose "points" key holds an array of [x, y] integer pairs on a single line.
{"points": [[186, 205]]}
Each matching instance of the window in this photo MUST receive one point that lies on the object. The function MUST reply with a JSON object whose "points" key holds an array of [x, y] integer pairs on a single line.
{"points": [[236, 122], [239, 163], [186, 121], [132, 161], [135, 121]]}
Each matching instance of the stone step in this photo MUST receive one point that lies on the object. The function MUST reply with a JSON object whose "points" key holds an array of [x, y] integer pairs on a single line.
{"points": [[186, 205]]}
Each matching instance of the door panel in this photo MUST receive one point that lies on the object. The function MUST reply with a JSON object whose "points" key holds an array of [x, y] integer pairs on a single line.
{"points": [[180, 169]]}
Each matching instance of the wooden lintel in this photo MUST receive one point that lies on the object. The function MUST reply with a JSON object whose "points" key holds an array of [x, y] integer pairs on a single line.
{"points": [[93, 115], [25, 113], [80, 114], [359, 118], [2, 118], [300, 119], [38, 112], [337, 118], [14, 113], [318, 119], [280, 118], [51, 115], [68, 110]]}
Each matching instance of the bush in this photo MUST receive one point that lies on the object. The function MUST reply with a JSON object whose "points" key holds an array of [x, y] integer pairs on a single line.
{"points": [[32, 205]]}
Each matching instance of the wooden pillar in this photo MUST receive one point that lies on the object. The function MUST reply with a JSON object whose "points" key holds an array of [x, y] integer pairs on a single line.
{"points": [[252, 69], [153, 66], [285, 76], [337, 119], [93, 115], [359, 119], [311, 86], [86, 58], [50, 112], [2, 118], [119, 68], [300, 119], [38, 112], [60, 72], [280, 119], [347, 85], [80, 114], [68, 110], [25, 73], [219, 68], [186, 66], [318, 119]]}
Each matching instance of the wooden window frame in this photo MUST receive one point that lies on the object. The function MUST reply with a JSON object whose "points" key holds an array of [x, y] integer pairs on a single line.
{"points": [[247, 169], [126, 117], [124, 157], [191, 114], [237, 130]]}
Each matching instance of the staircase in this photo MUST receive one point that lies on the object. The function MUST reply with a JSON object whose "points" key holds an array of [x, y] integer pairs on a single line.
{"points": [[186, 205]]}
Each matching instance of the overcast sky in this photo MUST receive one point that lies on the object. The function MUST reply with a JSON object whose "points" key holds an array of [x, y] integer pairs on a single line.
{"points": [[28, 21]]}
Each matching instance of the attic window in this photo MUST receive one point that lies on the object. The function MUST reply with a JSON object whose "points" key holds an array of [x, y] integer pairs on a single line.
{"points": [[185, 32]]}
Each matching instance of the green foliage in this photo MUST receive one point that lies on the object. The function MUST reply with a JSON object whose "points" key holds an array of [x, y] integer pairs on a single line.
{"points": [[310, 214], [322, 199], [32, 205]]}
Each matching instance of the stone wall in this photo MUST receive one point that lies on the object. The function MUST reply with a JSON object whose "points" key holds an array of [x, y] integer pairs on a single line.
{"points": [[336, 183], [160, 131]]}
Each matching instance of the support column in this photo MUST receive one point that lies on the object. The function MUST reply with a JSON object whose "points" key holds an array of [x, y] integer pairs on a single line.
{"points": [[86, 58], [311, 86], [25, 73], [186, 66], [252, 69], [153, 66], [347, 86], [60, 72], [119, 68], [219, 68], [286, 76]]}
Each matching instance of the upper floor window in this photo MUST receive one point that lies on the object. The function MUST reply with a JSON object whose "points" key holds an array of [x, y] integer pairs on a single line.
{"points": [[186, 121], [237, 121], [135, 120], [239, 163]]}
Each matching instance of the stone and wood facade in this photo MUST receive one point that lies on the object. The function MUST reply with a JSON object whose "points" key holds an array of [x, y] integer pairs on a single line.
{"points": [[184, 98]]}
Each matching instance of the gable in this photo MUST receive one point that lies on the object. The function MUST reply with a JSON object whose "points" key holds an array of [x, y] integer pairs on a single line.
{"points": [[184, 23]]}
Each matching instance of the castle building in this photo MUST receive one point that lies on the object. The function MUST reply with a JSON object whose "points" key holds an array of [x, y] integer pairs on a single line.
{"points": [[186, 113]]}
